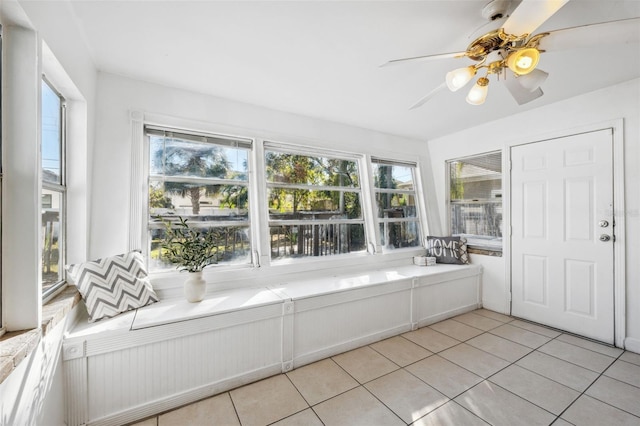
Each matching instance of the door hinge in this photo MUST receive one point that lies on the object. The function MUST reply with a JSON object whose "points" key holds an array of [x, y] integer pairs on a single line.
{"points": [[510, 299]]}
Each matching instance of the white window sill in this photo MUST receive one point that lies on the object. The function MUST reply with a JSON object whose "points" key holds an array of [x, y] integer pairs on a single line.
{"points": [[15, 346]]}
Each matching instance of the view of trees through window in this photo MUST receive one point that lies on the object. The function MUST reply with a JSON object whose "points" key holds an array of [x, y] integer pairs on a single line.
{"points": [[204, 180], [395, 194], [475, 192], [312, 198], [314, 205], [53, 188]]}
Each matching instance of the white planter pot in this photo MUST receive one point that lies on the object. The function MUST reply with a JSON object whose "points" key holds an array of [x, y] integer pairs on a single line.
{"points": [[195, 287]]}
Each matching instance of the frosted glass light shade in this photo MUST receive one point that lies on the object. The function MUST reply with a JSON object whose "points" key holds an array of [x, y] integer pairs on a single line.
{"points": [[478, 93], [533, 80], [523, 61], [457, 78]]}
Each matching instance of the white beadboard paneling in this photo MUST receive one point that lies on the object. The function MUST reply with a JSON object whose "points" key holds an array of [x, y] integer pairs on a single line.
{"points": [[131, 377], [128, 338], [444, 300], [341, 323], [75, 374]]}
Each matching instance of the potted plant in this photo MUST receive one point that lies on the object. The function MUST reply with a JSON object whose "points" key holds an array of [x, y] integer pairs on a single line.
{"points": [[192, 250]]}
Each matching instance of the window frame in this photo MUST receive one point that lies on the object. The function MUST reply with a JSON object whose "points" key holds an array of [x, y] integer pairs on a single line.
{"points": [[418, 219], [228, 277], [60, 188], [217, 139], [302, 150], [474, 246]]}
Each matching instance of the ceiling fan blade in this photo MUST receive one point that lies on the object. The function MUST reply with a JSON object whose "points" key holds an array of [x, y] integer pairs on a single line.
{"points": [[530, 14], [425, 58], [521, 94], [428, 96], [614, 32]]}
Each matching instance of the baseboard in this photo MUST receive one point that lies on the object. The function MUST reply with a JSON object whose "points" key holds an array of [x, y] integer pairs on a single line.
{"points": [[178, 400], [498, 306], [632, 344], [422, 322], [310, 357]]}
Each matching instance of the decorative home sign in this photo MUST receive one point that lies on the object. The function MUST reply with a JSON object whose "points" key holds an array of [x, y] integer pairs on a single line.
{"points": [[448, 249]]}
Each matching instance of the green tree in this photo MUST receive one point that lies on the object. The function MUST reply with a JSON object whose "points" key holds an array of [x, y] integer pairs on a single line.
{"points": [[290, 168], [158, 199], [384, 179], [236, 196], [456, 184], [342, 173], [187, 159]]}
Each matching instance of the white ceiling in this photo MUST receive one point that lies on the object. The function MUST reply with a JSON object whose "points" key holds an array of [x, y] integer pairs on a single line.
{"points": [[321, 59]]}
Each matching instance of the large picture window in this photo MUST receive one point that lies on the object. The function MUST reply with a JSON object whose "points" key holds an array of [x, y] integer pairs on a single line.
{"points": [[53, 200], [395, 196], [475, 193], [314, 203], [205, 180]]}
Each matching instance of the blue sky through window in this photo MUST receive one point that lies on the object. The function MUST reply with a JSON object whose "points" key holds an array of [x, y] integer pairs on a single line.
{"points": [[51, 135]]}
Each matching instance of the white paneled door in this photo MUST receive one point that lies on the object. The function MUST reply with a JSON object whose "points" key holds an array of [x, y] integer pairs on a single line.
{"points": [[562, 237]]}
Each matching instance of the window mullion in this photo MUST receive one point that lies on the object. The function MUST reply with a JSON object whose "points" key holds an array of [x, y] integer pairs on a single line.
{"points": [[201, 180], [310, 187], [368, 203], [261, 214]]}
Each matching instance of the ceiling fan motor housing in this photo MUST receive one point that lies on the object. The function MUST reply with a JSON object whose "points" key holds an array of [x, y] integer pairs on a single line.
{"points": [[496, 9]]}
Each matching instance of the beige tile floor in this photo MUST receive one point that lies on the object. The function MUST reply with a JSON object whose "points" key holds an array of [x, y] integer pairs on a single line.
{"points": [[475, 369]]}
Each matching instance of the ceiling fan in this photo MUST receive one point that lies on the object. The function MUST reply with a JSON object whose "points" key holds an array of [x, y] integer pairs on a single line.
{"points": [[512, 47]]}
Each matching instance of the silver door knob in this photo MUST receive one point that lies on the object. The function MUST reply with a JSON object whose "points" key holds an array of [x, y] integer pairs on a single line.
{"points": [[605, 237], [603, 223]]}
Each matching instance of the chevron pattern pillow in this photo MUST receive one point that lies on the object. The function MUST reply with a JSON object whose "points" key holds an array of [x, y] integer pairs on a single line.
{"points": [[113, 285]]}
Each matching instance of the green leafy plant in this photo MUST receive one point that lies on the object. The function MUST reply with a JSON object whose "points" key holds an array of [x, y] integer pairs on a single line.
{"points": [[191, 249]]}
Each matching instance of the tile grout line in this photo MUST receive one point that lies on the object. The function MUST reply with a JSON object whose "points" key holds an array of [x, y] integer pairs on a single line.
{"points": [[500, 370], [591, 384], [382, 402], [233, 404], [338, 394], [363, 385], [514, 363], [408, 372], [568, 333], [579, 347], [621, 381], [560, 359]]}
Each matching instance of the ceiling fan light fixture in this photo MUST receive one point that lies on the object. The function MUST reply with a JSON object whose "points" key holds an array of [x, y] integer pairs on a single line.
{"points": [[523, 61], [478, 93], [458, 78]]}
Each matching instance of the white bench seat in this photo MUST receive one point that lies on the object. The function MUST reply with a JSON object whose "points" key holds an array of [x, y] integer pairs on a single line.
{"points": [[173, 352]]}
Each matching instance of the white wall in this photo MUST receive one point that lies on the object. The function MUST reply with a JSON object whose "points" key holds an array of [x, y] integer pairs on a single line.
{"points": [[68, 64], [34, 392], [603, 106]]}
